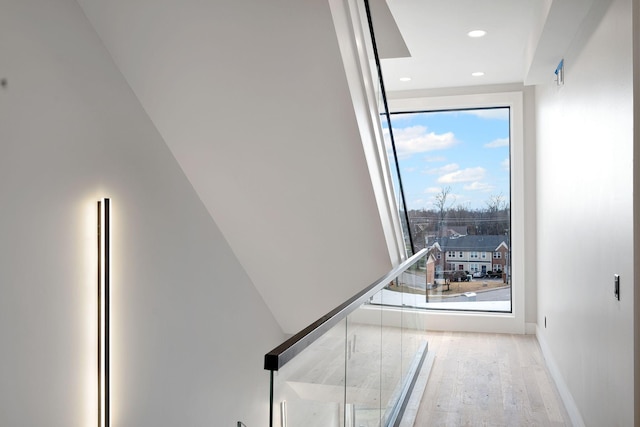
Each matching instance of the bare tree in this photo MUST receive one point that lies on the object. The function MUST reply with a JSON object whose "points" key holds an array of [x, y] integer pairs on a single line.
{"points": [[497, 215], [496, 203], [443, 202]]}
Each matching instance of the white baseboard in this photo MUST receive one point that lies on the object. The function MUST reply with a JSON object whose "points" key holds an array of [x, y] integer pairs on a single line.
{"points": [[563, 389]]}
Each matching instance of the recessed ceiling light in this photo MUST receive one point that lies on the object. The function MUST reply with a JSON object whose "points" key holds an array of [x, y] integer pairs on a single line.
{"points": [[405, 79], [477, 33], [477, 74]]}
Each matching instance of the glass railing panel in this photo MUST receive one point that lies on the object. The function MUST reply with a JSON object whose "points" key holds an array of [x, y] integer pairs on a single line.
{"points": [[312, 385], [409, 289], [413, 337], [352, 366], [364, 365], [391, 366], [413, 283]]}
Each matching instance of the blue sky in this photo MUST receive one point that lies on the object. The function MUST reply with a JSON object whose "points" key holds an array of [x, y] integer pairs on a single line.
{"points": [[465, 150]]}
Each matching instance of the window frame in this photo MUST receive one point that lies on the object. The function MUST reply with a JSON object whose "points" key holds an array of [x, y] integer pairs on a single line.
{"points": [[506, 322]]}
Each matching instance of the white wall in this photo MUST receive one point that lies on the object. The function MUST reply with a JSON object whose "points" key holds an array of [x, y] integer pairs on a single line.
{"points": [[636, 202], [585, 219], [190, 329]]}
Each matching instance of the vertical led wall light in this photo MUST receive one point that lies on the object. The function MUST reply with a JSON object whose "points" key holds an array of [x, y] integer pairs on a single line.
{"points": [[104, 303]]}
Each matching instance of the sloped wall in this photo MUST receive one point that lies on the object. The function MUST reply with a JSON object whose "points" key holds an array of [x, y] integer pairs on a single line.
{"points": [[189, 327], [253, 101]]}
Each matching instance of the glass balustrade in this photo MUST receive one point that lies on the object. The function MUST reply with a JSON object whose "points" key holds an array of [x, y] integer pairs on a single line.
{"points": [[309, 390], [355, 366]]}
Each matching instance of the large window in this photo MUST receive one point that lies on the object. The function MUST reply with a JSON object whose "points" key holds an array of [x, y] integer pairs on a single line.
{"points": [[456, 179]]}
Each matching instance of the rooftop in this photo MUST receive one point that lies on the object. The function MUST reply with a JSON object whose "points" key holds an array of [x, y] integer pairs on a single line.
{"points": [[484, 243]]}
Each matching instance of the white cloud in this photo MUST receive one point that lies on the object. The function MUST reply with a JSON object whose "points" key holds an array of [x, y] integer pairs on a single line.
{"points": [[500, 142], [464, 175], [410, 169], [435, 159], [451, 167], [415, 139], [402, 116], [491, 113], [433, 190], [478, 186], [505, 164]]}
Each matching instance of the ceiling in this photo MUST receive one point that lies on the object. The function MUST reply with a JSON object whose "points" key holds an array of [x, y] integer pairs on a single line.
{"points": [[525, 41]]}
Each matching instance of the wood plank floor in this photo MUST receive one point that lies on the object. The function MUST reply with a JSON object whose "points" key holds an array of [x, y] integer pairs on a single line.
{"points": [[489, 380]]}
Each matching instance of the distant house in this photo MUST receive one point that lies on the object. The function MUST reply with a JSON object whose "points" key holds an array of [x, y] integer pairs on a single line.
{"points": [[470, 253]]}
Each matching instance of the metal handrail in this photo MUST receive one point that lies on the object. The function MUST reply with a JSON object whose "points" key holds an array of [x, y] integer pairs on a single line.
{"points": [[286, 351]]}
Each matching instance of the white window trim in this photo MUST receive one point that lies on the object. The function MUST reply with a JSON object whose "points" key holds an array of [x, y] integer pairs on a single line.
{"points": [[513, 322], [363, 89]]}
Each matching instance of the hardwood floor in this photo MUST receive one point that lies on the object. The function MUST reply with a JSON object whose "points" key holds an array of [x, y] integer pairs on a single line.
{"points": [[489, 380]]}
